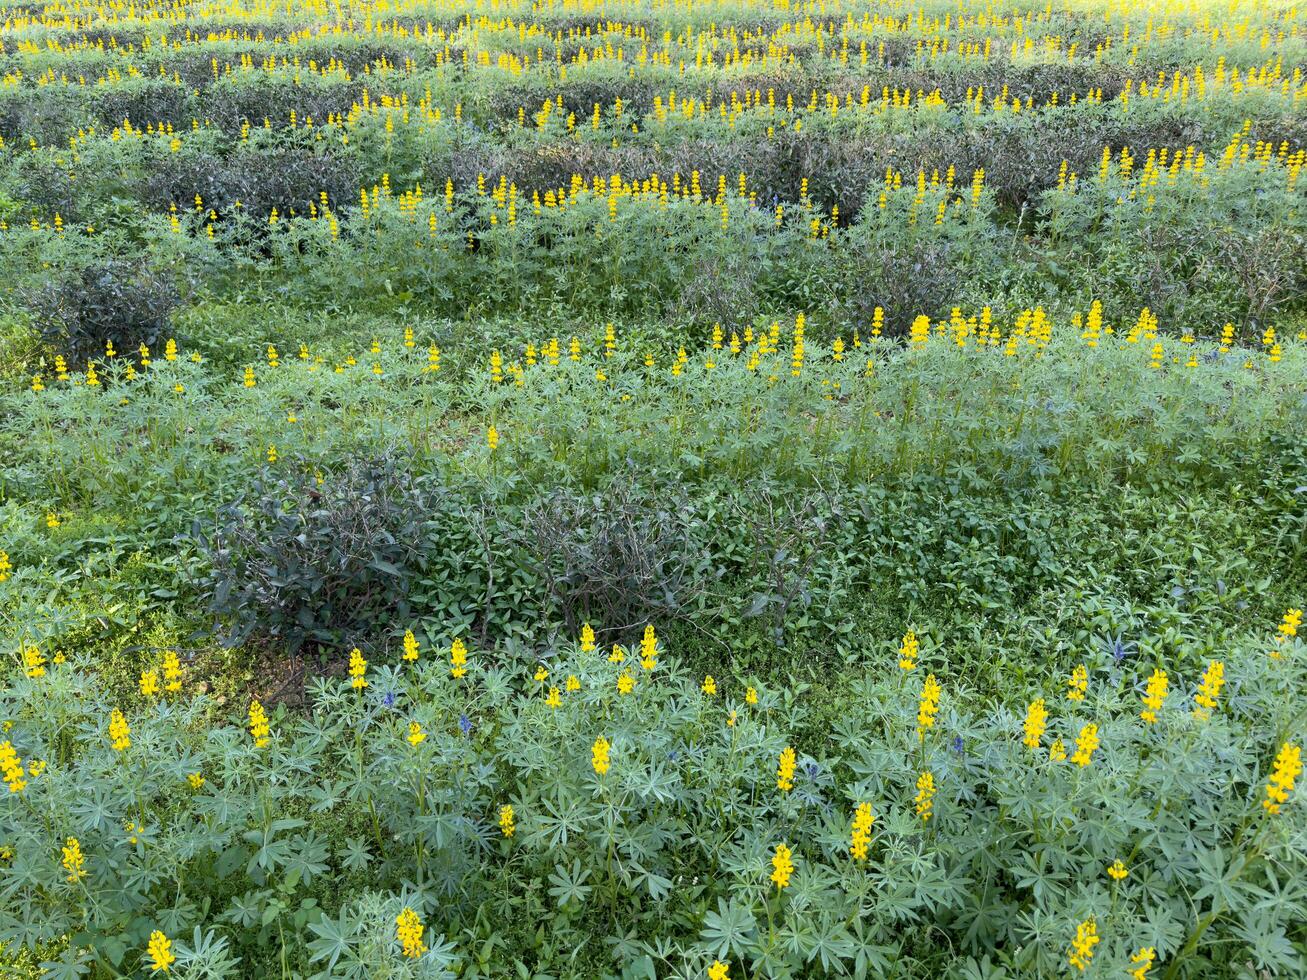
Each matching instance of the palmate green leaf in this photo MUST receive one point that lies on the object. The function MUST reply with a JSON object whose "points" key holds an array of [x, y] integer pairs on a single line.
{"points": [[71, 964], [307, 861], [356, 854], [334, 938], [1270, 948], [568, 884], [729, 932], [830, 943]]}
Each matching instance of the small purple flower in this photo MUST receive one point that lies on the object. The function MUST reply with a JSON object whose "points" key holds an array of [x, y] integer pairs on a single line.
{"points": [[465, 724], [811, 768], [389, 699], [956, 744]]}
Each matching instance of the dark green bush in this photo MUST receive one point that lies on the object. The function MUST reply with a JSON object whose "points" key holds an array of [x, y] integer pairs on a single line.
{"points": [[116, 300], [308, 563]]}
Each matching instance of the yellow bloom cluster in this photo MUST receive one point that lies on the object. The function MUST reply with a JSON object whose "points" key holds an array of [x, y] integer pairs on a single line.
{"points": [[928, 707], [408, 932], [1154, 695], [119, 732], [12, 768], [782, 866], [1288, 766], [172, 672], [259, 730], [860, 839], [1143, 962], [416, 736], [410, 646], [160, 952], [1036, 721], [785, 770], [1287, 629], [457, 659], [506, 820], [357, 668], [1117, 870], [1078, 683], [33, 662], [73, 860], [649, 649], [1209, 690], [599, 755], [925, 798], [1082, 947], [908, 651], [1086, 743]]}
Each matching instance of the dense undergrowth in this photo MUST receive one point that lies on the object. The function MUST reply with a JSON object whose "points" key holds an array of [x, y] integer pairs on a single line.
{"points": [[434, 543]]}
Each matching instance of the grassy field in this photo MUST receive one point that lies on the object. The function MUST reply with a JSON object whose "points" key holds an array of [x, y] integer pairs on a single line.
{"points": [[627, 489]]}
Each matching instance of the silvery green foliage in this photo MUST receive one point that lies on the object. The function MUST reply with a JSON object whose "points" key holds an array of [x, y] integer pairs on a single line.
{"points": [[302, 854]]}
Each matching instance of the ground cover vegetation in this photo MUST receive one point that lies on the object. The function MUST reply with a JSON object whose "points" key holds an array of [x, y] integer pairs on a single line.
{"points": [[640, 490]]}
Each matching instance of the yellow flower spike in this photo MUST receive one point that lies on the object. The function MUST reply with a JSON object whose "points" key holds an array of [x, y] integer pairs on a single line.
{"points": [[860, 838], [410, 646], [506, 820], [11, 766], [160, 952], [1288, 766], [259, 730], [1082, 947], [785, 770], [1035, 723], [1078, 683], [1209, 690], [554, 698], [119, 731], [1117, 870], [416, 736], [928, 707], [1086, 743], [33, 662], [617, 656], [357, 668], [73, 861], [908, 651], [625, 683], [1154, 695], [149, 683], [457, 659], [709, 685], [408, 933], [924, 801], [782, 867], [751, 695], [492, 438], [719, 971], [649, 648], [195, 780], [172, 672], [1143, 962], [599, 755]]}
